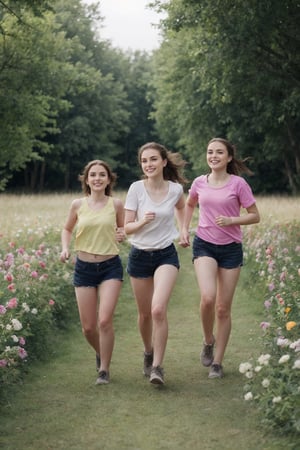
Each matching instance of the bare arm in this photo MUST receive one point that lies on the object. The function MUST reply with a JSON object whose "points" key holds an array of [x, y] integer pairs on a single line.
{"points": [[188, 214], [251, 217], [119, 208], [66, 233], [132, 225]]}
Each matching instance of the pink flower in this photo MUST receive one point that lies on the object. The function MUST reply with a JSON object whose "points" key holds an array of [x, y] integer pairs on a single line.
{"points": [[42, 264], [268, 304], [282, 276], [9, 260], [3, 362], [269, 251], [21, 251], [22, 341], [11, 244], [9, 277], [51, 302], [264, 325], [2, 309], [12, 303], [22, 353], [271, 287], [34, 274], [11, 287]]}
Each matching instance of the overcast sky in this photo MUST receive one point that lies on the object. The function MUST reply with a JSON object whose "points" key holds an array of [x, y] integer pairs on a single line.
{"points": [[127, 24]]}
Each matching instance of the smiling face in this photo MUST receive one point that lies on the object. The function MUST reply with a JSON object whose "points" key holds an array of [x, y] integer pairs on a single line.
{"points": [[98, 178], [152, 163], [217, 156]]}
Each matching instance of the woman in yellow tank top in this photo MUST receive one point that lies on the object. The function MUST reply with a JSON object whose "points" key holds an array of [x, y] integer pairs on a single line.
{"points": [[98, 274]]}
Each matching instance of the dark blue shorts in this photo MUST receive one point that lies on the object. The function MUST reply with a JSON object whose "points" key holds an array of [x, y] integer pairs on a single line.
{"points": [[89, 274], [228, 256], [143, 263]]}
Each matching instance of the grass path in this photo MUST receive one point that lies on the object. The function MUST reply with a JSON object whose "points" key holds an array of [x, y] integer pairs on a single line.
{"points": [[60, 408]]}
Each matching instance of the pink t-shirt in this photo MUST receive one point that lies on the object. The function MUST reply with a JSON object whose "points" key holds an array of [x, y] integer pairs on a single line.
{"points": [[227, 201]]}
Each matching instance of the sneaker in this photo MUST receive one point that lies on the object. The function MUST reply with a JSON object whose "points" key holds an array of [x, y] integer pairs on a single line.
{"points": [[103, 377], [216, 371], [207, 354], [98, 362], [157, 375], [148, 360]]}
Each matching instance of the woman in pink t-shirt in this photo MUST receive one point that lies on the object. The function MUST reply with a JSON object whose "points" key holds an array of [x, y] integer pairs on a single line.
{"points": [[217, 245]]}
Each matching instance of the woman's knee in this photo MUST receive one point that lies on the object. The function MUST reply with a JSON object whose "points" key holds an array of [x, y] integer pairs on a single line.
{"points": [[158, 313]]}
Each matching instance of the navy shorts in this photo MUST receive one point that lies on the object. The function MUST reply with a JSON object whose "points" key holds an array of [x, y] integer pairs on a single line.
{"points": [[87, 274], [228, 256], [143, 263]]}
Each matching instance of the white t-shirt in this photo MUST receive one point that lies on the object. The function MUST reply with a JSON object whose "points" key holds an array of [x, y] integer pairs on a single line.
{"points": [[161, 232]]}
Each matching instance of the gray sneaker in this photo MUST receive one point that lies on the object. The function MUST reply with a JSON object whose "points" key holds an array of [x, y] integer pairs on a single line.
{"points": [[157, 375], [103, 377], [148, 360], [207, 354], [216, 371]]}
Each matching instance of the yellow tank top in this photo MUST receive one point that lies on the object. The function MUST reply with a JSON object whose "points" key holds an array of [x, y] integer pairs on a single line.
{"points": [[95, 231]]}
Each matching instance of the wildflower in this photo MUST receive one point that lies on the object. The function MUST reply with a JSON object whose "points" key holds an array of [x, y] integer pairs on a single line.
{"points": [[265, 382], [15, 338], [295, 345], [282, 276], [282, 342], [244, 367], [25, 307], [249, 374], [8, 327], [12, 303], [264, 359], [268, 304], [271, 287], [2, 309], [51, 302], [277, 399], [284, 359], [9, 277], [287, 310], [22, 341], [16, 324], [34, 311], [248, 396], [34, 274], [3, 362], [257, 369], [264, 325], [296, 364], [290, 325], [22, 353], [11, 287]]}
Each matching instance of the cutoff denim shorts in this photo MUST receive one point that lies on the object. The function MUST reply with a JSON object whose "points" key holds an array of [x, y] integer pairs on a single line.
{"points": [[87, 274], [143, 263], [228, 256]]}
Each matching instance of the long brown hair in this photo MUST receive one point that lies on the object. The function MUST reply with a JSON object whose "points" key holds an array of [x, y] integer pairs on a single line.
{"points": [[84, 176], [235, 166], [173, 170]]}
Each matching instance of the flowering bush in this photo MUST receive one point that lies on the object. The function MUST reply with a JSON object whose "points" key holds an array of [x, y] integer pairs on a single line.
{"points": [[273, 378], [36, 295]]}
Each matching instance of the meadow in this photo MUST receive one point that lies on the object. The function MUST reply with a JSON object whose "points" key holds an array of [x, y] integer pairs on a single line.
{"points": [[47, 371]]}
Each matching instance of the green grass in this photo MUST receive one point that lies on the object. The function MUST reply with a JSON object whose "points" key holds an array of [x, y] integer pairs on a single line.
{"points": [[59, 406]]}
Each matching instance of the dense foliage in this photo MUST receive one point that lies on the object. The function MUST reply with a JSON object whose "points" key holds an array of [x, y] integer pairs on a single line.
{"points": [[226, 67]]}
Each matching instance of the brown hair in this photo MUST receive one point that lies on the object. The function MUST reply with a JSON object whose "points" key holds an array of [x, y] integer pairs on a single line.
{"points": [[235, 166], [173, 170], [84, 176]]}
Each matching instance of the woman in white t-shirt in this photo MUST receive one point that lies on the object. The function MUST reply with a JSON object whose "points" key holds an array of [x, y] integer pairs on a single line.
{"points": [[217, 245], [153, 263]]}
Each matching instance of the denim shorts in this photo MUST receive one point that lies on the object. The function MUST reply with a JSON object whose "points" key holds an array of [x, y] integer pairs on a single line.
{"points": [[143, 263], [87, 274], [228, 256]]}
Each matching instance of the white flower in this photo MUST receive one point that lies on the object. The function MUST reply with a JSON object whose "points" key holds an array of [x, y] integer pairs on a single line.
{"points": [[248, 396], [249, 374], [264, 359], [244, 367], [34, 311], [7, 348], [284, 359], [265, 382], [15, 338], [25, 307], [277, 399], [296, 364], [295, 345], [8, 327], [16, 324], [282, 342], [257, 369]]}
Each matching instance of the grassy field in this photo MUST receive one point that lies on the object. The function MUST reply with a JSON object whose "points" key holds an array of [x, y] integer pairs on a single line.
{"points": [[59, 407]]}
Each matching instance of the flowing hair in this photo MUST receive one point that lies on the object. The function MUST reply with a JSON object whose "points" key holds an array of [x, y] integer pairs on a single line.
{"points": [[173, 170], [84, 176], [235, 166]]}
